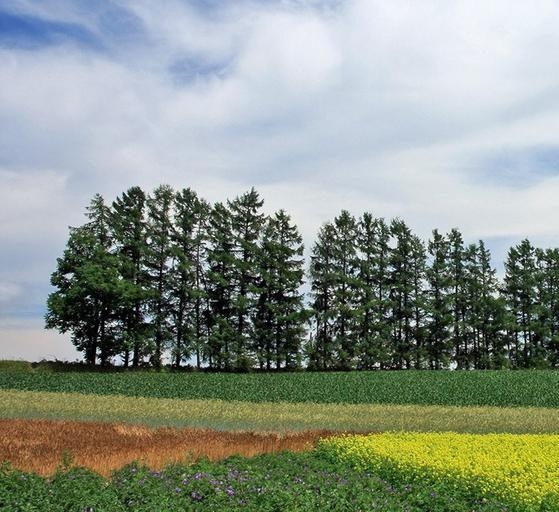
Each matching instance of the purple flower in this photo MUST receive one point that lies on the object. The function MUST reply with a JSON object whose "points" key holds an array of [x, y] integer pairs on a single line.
{"points": [[178, 489], [196, 496], [197, 476], [230, 491], [298, 480]]}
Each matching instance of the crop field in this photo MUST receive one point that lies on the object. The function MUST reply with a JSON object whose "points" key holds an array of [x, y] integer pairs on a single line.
{"points": [[40, 446], [499, 388], [523, 469], [399, 429], [274, 417]]}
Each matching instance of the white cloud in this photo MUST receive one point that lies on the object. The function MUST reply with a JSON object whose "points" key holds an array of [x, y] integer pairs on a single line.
{"points": [[392, 107]]}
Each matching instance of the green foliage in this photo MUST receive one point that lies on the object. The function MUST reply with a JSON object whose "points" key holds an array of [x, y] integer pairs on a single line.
{"points": [[465, 388], [7, 365], [169, 275], [286, 481]]}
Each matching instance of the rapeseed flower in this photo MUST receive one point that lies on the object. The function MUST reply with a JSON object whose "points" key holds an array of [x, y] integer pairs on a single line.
{"points": [[524, 468]]}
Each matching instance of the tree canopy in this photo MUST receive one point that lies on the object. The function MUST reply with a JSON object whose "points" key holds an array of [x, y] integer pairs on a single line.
{"points": [[168, 278]]}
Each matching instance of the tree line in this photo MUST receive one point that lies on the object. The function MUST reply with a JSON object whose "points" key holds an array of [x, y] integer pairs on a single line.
{"points": [[167, 275]]}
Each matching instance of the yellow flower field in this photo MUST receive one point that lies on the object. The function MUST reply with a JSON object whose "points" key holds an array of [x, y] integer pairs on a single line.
{"points": [[524, 468]]}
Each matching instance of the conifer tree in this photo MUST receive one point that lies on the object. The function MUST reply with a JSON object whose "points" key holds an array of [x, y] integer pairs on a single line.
{"points": [[519, 290], [418, 300], [158, 260], [457, 299], [549, 302], [322, 272], [219, 287], [439, 314], [373, 292], [484, 310], [345, 268], [280, 314], [128, 227], [401, 295], [89, 290], [187, 287], [246, 228]]}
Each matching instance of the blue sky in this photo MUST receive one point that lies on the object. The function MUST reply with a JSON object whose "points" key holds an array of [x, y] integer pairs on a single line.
{"points": [[444, 114]]}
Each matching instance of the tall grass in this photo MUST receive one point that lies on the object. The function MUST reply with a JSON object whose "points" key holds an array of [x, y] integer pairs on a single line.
{"points": [[279, 417]]}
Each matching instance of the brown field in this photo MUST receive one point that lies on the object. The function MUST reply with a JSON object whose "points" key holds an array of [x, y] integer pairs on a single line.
{"points": [[41, 445]]}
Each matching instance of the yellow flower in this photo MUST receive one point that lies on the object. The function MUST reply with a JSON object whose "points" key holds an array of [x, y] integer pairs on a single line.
{"points": [[524, 468]]}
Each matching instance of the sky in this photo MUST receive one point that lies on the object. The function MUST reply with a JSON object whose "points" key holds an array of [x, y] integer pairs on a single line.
{"points": [[445, 114]]}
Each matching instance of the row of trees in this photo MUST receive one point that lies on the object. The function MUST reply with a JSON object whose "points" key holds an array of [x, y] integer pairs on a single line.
{"points": [[382, 298], [169, 275]]}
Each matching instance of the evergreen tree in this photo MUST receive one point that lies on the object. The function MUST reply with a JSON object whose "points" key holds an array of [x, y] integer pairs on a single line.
{"points": [[344, 311], [373, 292], [439, 313], [484, 310], [457, 299], [221, 270], [246, 229], [320, 350], [519, 290], [280, 314], [418, 300], [158, 260], [401, 295], [552, 304], [89, 290], [128, 227], [187, 287], [546, 308]]}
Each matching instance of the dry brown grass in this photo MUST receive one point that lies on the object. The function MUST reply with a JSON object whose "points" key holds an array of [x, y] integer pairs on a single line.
{"points": [[41, 445]]}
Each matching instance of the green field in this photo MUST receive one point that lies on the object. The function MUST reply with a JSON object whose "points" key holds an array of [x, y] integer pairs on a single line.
{"points": [[537, 388], [275, 417]]}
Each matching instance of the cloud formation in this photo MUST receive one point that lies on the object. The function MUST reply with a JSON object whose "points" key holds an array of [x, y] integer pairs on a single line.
{"points": [[443, 114]]}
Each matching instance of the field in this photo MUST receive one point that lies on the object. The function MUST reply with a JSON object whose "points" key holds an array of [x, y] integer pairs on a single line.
{"points": [[166, 441]]}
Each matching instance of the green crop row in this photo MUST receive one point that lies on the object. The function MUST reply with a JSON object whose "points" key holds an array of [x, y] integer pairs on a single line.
{"points": [[454, 388]]}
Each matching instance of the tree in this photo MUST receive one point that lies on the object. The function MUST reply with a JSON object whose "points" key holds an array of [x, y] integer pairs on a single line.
{"points": [[158, 258], [519, 290], [187, 284], [418, 299], [280, 313], [246, 229], [484, 309], [345, 268], [547, 308], [373, 292], [457, 298], [128, 227], [402, 282], [221, 269], [89, 291], [320, 350], [439, 313]]}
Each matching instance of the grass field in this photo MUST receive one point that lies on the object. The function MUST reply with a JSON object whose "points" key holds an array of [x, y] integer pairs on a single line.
{"points": [[258, 413], [275, 417]]}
